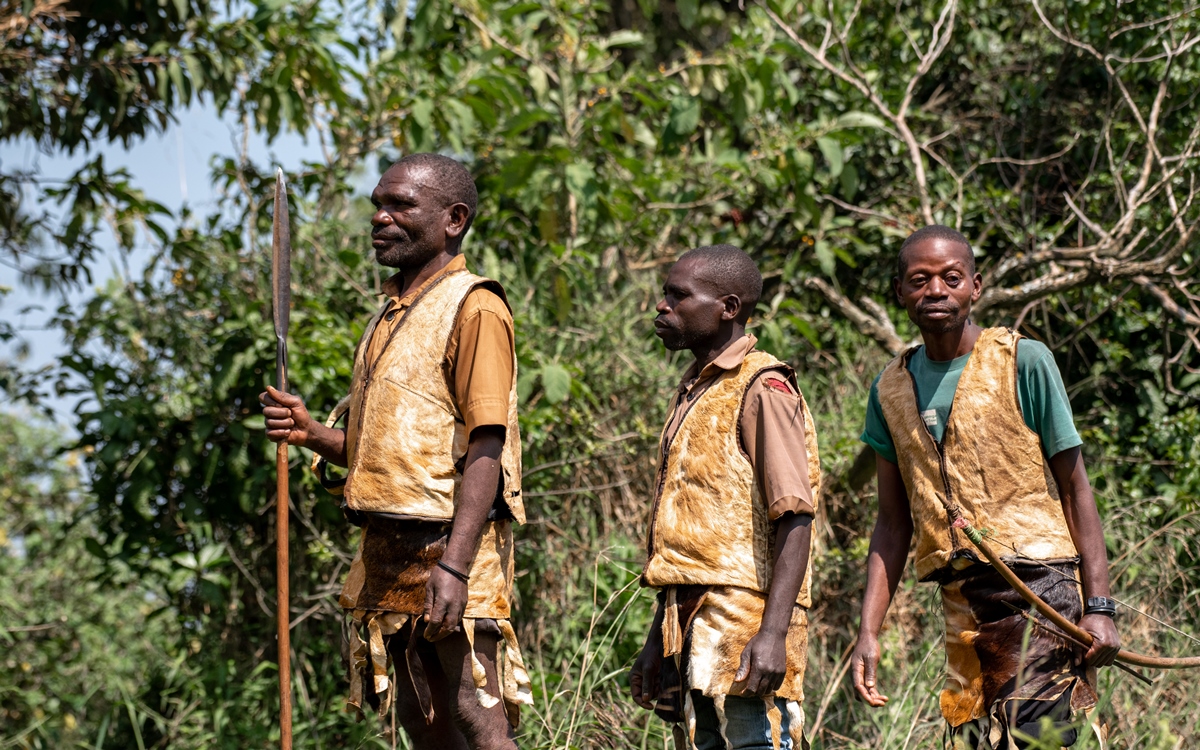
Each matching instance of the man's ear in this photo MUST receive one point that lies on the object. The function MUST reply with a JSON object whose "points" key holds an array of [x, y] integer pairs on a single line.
{"points": [[456, 226], [977, 282], [733, 307], [896, 290]]}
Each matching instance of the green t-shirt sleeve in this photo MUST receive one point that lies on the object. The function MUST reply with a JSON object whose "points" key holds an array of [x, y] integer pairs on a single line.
{"points": [[876, 433], [1043, 397]]}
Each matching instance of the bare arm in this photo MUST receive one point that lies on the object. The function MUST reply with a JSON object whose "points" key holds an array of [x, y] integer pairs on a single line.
{"points": [[288, 420], [644, 677], [1083, 521], [764, 660], [446, 596], [885, 564]]}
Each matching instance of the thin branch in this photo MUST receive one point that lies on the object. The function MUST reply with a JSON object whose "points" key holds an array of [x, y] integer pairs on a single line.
{"points": [[878, 328], [902, 223], [859, 81], [1167, 303], [690, 204]]}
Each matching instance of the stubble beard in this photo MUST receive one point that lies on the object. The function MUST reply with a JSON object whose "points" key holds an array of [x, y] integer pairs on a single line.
{"points": [[677, 340], [956, 320], [404, 255]]}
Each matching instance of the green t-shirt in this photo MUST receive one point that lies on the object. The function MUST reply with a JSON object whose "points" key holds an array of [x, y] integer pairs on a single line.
{"points": [[1044, 403]]}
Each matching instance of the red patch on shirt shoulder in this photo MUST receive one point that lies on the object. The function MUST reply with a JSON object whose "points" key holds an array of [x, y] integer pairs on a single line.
{"points": [[777, 384]]}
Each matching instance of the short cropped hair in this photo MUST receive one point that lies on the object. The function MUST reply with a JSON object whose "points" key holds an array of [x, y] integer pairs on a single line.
{"points": [[730, 271], [450, 177], [933, 232]]}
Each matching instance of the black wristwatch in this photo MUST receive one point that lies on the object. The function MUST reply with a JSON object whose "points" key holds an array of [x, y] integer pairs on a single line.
{"points": [[1100, 605]]}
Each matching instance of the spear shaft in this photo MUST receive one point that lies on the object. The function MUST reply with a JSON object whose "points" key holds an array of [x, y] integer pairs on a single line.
{"points": [[281, 281]]}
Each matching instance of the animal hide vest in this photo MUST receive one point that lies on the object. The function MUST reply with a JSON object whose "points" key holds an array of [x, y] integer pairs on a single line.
{"points": [[709, 525], [405, 440], [989, 463]]}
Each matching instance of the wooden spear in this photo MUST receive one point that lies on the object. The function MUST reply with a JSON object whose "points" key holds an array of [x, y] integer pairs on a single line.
{"points": [[281, 281]]}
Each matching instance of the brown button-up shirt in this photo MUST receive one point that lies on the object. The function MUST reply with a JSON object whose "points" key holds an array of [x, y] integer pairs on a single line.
{"points": [[771, 427], [479, 354]]}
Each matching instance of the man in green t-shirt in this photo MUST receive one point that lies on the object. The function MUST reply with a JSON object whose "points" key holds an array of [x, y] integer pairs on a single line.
{"points": [[1044, 404], [977, 423]]}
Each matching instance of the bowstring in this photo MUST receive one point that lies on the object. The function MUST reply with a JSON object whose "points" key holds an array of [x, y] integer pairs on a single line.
{"points": [[1124, 604]]}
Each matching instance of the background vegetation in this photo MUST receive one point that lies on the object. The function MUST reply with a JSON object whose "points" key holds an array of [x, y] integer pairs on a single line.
{"points": [[136, 574]]}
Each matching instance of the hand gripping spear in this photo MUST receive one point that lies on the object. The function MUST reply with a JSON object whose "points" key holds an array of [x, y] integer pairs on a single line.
{"points": [[281, 283]]}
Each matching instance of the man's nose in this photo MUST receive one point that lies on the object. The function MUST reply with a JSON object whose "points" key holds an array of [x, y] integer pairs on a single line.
{"points": [[936, 288], [661, 307], [381, 217]]}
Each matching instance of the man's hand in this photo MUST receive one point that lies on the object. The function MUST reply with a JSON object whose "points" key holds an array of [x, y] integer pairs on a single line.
{"points": [[286, 416], [764, 664], [445, 601], [863, 664], [644, 677], [1105, 641]]}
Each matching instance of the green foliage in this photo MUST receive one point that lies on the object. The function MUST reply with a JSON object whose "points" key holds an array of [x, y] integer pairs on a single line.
{"points": [[605, 139]]}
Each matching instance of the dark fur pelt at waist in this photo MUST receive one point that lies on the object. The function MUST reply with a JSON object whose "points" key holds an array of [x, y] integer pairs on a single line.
{"points": [[398, 557], [1010, 667]]}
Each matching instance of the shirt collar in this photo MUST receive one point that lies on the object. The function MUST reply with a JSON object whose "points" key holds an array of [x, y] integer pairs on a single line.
{"points": [[730, 357], [391, 287]]}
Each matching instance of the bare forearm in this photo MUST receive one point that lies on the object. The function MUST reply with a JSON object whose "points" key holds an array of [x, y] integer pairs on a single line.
{"points": [[1083, 520], [327, 442], [885, 566], [654, 639], [889, 546], [793, 537], [480, 477]]}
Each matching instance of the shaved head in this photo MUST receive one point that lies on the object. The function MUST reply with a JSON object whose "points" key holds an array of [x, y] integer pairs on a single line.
{"points": [[934, 232], [728, 270], [450, 178]]}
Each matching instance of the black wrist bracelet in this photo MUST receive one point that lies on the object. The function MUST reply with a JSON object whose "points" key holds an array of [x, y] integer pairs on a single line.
{"points": [[1100, 605], [457, 574]]}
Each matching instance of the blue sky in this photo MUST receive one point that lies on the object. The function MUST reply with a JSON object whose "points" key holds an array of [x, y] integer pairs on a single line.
{"points": [[172, 167]]}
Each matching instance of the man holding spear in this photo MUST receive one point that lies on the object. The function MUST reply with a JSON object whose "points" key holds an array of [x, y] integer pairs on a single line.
{"points": [[434, 457], [974, 431]]}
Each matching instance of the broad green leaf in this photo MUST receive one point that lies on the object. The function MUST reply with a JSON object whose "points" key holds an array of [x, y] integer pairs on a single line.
{"points": [[556, 383], [832, 151], [525, 383], [538, 81], [623, 38], [579, 174], [176, 73], [825, 257], [95, 548], [860, 120], [849, 182], [685, 115], [803, 162]]}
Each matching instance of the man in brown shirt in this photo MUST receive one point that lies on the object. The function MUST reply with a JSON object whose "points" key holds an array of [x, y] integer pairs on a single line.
{"points": [[479, 355], [771, 428], [433, 452], [729, 535]]}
